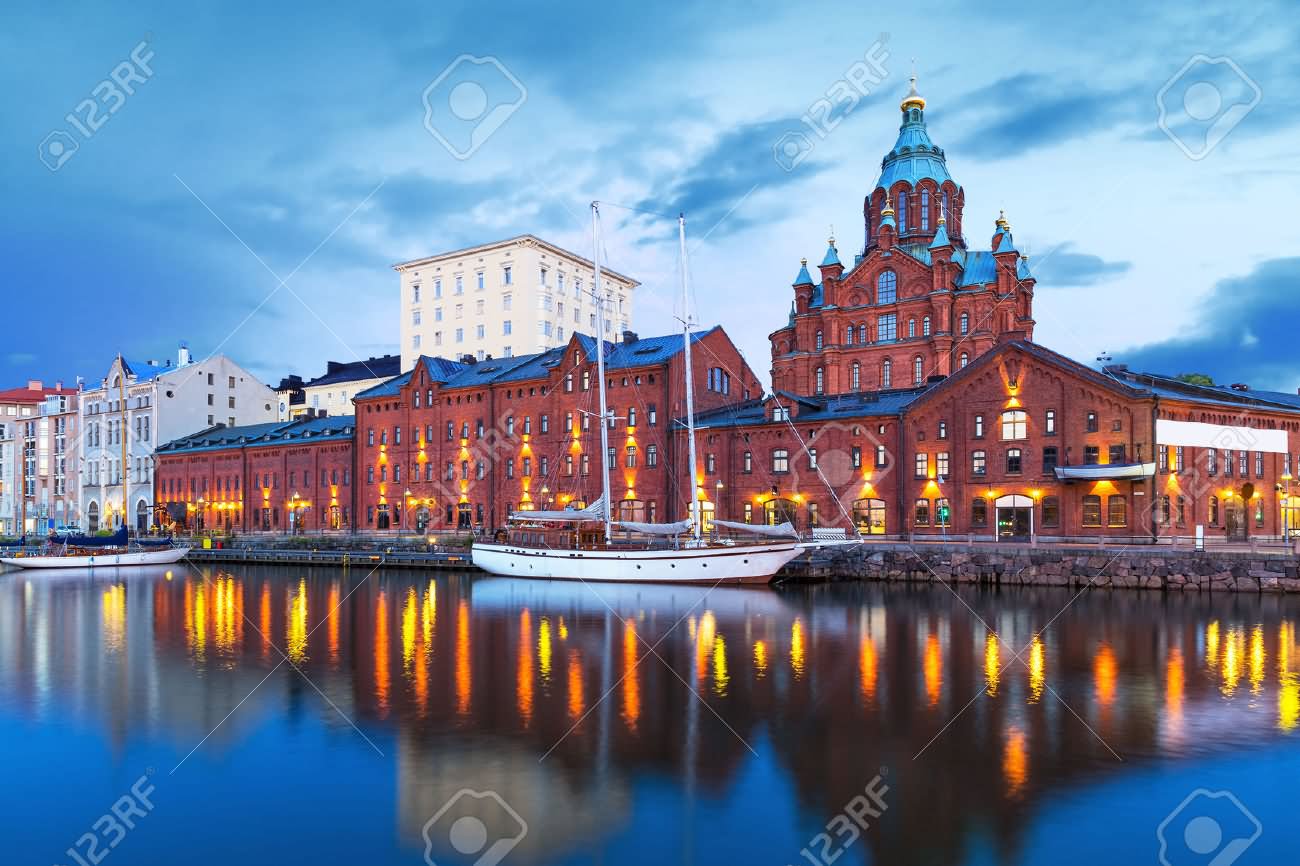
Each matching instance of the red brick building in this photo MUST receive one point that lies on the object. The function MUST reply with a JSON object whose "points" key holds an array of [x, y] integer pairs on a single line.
{"points": [[275, 477], [917, 302], [452, 444]]}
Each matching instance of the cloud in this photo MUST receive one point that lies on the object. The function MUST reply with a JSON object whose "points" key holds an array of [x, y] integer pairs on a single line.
{"points": [[1029, 111], [1064, 267], [1241, 332]]}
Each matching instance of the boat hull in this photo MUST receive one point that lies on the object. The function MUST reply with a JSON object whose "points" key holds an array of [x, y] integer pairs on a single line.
{"points": [[102, 560], [741, 564]]}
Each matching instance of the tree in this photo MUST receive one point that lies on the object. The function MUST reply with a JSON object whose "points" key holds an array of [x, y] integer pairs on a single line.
{"points": [[1195, 379]]}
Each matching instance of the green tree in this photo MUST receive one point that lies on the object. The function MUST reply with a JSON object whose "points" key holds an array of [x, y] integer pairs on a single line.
{"points": [[1195, 379]]}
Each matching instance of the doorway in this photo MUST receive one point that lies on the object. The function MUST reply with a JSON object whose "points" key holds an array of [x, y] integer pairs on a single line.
{"points": [[1015, 517]]}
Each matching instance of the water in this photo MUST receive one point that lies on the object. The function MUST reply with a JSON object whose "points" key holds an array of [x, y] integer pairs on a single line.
{"points": [[755, 723]]}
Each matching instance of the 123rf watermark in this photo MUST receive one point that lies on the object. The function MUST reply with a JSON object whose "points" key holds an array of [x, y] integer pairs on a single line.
{"points": [[108, 831], [852, 821], [90, 114], [829, 111]]}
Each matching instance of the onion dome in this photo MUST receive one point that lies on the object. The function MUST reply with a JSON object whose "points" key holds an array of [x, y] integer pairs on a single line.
{"points": [[941, 236], [914, 156], [1002, 240]]}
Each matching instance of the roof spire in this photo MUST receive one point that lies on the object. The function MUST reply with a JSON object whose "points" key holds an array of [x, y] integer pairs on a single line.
{"points": [[912, 99]]}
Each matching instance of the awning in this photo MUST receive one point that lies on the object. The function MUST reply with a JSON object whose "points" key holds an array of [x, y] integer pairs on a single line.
{"points": [[1106, 472]]}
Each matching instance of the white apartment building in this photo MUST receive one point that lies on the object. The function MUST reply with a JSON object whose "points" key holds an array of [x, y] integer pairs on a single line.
{"points": [[38, 459], [332, 392], [512, 297], [145, 403]]}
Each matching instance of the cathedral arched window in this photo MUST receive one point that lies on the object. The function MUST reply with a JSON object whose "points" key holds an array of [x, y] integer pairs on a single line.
{"points": [[911, 327], [947, 213], [887, 287], [887, 374], [965, 324], [965, 359], [902, 212], [925, 327], [918, 370], [925, 210], [862, 334], [819, 341], [855, 376], [848, 336], [820, 383]]}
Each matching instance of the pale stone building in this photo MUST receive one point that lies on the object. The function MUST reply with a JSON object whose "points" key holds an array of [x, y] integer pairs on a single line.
{"points": [[145, 403], [331, 393], [39, 442], [511, 297]]}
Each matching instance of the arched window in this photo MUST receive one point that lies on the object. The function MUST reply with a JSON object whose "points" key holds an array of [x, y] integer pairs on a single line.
{"points": [[886, 287], [918, 370], [963, 361], [855, 376], [862, 333], [820, 381], [848, 336], [887, 374], [925, 210], [1214, 511], [925, 327], [965, 324], [911, 327], [819, 340], [947, 214], [902, 212]]}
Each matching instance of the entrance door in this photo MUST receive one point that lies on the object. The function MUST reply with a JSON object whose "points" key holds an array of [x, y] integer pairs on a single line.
{"points": [[869, 516], [1234, 518], [464, 516], [1015, 517]]}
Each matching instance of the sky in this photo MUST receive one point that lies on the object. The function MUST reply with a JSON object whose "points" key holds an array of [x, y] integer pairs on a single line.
{"points": [[249, 173]]}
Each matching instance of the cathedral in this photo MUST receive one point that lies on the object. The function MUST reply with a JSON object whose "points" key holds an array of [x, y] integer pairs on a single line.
{"points": [[917, 302]]}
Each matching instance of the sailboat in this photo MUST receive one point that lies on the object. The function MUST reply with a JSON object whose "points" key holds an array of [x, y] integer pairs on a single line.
{"points": [[582, 545], [108, 551]]}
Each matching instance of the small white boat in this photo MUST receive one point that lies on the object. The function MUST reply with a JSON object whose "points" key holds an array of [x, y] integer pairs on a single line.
{"points": [[107, 559]]}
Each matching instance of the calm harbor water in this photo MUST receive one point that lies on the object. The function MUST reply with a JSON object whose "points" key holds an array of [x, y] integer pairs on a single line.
{"points": [[756, 721]]}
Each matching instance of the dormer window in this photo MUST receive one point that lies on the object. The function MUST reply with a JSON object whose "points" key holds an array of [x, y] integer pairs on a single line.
{"points": [[780, 413]]}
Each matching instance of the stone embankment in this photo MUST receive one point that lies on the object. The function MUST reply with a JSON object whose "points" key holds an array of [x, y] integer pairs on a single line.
{"points": [[1005, 565]]}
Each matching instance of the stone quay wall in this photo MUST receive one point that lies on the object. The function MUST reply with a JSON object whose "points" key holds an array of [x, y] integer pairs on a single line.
{"points": [[1008, 565]]}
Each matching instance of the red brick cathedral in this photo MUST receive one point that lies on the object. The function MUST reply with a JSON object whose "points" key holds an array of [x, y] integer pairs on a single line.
{"points": [[917, 302]]}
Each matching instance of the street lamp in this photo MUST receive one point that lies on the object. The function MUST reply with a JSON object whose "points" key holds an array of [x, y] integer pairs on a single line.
{"points": [[1284, 489]]}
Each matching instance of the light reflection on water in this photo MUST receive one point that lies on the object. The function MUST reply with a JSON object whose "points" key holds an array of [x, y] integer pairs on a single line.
{"points": [[618, 718]]}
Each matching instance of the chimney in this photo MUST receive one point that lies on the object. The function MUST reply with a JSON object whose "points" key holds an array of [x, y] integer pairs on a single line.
{"points": [[629, 337], [34, 384], [1240, 386], [183, 354], [58, 385], [468, 359]]}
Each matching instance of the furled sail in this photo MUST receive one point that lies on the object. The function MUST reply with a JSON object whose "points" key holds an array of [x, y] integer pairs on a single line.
{"points": [[594, 511], [783, 530], [657, 528]]}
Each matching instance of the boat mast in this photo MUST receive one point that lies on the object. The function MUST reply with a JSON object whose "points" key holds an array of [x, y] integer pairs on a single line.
{"points": [[690, 381], [121, 397], [600, 369]]}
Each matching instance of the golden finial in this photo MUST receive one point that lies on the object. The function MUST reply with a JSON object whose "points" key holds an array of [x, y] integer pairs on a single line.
{"points": [[912, 99], [889, 208], [803, 262], [1002, 220]]}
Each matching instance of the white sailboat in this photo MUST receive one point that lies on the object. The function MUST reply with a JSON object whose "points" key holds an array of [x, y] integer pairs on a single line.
{"points": [[581, 545]]}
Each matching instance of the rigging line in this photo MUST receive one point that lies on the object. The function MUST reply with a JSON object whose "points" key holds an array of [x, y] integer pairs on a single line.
{"points": [[816, 466], [636, 209]]}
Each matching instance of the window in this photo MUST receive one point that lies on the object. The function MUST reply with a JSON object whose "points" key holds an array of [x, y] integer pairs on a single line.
{"points": [[1164, 516], [911, 328], [886, 374], [780, 460], [1049, 460], [819, 381], [922, 465], [1162, 458], [1117, 510], [1116, 426], [1013, 461], [1243, 458], [1181, 514], [979, 426], [1091, 455], [507, 277], [921, 513], [855, 376], [862, 333], [963, 361], [918, 370], [1227, 462], [1015, 425], [979, 512], [856, 456], [1212, 461], [925, 326], [611, 458], [943, 430], [978, 463], [1092, 510], [1090, 423], [1117, 454], [964, 324], [652, 415], [942, 512], [902, 212], [925, 210], [1049, 422], [1051, 511], [887, 287], [437, 288], [887, 328], [941, 464], [848, 336], [460, 284], [1214, 511], [818, 341], [1259, 464], [415, 293], [1178, 458], [747, 462], [652, 456]]}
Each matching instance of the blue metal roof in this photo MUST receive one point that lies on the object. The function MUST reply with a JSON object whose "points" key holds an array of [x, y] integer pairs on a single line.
{"points": [[144, 371], [438, 370], [832, 256], [941, 237], [818, 296], [914, 156], [979, 268], [803, 278], [327, 428], [351, 371], [812, 409]]}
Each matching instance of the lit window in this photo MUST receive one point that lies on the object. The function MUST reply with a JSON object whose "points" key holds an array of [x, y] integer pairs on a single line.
{"points": [[1015, 424]]}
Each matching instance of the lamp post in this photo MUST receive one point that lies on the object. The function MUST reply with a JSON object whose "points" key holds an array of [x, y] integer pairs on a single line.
{"points": [[717, 499], [1285, 489]]}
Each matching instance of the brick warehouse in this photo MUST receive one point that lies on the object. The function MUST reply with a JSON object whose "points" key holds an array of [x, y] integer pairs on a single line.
{"points": [[274, 477], [453, 444]]}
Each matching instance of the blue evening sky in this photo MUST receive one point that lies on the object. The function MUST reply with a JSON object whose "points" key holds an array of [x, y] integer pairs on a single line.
{"points": [[300, 133]]}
